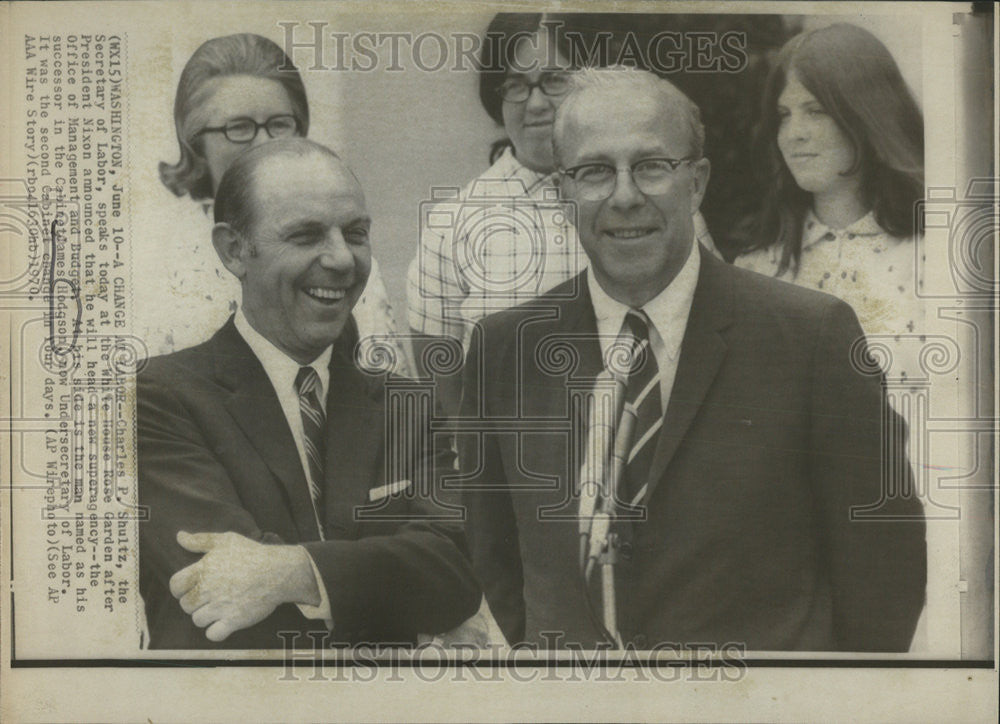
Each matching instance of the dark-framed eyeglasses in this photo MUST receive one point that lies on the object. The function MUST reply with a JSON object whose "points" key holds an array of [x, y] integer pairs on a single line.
{"points": [[652, 176], [518, 89], [244, 130]]}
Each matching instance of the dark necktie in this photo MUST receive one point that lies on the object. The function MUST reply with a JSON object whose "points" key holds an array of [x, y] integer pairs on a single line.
{"points": [[308, 386], [642, 399]]}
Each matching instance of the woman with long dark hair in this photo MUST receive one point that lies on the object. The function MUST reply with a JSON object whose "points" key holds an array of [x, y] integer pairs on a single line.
{"points": [[840, 149]]}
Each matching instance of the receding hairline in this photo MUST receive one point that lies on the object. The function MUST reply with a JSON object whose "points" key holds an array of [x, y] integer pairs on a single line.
{"points": [[647, 85], [661, 102], [247, 167], [331, 160], [314, 151]]}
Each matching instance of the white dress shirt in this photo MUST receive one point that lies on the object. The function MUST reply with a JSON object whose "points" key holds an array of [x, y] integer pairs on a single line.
{"points": [[281, 370], [668, 314]]}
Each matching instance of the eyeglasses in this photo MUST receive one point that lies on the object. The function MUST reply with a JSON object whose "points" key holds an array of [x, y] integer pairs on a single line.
{"points": [[244, 130], [652, 176], [518, 90]]}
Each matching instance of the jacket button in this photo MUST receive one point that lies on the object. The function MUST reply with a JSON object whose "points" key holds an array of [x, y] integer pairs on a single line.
{"points": [[640, 641], [626, 550]]}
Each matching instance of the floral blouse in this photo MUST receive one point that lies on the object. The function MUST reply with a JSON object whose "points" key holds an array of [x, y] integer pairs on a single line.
{"points": [[864, 266]]}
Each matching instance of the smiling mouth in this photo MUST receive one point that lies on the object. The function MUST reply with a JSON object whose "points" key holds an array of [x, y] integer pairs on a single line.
{"points": [[804, 155], [326, 295], [629, 233], [538, 124]]}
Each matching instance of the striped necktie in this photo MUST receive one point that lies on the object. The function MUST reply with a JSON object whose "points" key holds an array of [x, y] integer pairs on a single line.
{"points": [[308, 386], [642, 400]]}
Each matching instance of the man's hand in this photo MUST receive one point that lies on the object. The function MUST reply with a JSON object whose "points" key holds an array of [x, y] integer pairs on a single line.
{"points": [[239, 582]]}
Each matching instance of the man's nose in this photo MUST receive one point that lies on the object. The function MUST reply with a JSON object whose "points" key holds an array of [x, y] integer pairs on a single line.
{"points": [[334, 253], [626, 194]]}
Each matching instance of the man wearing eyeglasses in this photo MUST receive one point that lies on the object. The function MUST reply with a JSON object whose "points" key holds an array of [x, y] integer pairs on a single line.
{"points": [[508, 240], [740, 499]]}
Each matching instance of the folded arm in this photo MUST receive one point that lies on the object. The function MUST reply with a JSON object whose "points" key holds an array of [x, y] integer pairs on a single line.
{"points": [[409, 576]]}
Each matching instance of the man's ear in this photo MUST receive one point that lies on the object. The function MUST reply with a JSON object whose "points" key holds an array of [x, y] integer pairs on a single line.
{"points": [[700, 171], [231, 247]]}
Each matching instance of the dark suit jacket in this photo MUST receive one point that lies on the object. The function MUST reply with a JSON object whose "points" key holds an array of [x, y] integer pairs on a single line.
{"points": [[216, 454], [769, 439]]}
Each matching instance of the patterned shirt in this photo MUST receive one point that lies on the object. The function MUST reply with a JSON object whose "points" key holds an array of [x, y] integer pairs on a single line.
{"points": [[867, 268], [505, 239]]}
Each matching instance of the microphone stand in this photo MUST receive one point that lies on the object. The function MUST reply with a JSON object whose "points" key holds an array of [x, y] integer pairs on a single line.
{"points": [[604, 542], [608, 559], [604, 406], [608, 556]]}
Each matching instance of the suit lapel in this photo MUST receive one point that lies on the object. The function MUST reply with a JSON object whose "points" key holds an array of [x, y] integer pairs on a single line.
{"points": [[254, 406], [577, 318], [702, 353], [581, 322], [571, 329], [355, 423]]}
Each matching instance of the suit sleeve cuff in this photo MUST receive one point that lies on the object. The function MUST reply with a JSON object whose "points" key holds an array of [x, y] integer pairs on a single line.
{"points": [[322, 611]]}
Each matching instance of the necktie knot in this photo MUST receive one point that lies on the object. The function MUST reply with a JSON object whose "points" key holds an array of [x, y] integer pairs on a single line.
{"points": [[637, 326], [307, 381], [637, 323]]}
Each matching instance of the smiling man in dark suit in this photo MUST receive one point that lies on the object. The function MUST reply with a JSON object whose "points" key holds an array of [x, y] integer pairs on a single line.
{"points": [[755, 443], [261, 450]]}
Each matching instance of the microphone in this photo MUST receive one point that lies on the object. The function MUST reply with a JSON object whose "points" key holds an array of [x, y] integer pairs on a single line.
{"points": [[602, 519], [604, 405]]}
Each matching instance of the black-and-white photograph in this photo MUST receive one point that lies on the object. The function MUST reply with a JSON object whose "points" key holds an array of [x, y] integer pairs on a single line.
{"points": [[527, 345]]}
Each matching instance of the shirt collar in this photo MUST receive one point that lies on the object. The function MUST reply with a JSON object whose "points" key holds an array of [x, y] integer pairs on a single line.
{"points": [[668, 311], [507, 167], [815, 231], [279, 367]]}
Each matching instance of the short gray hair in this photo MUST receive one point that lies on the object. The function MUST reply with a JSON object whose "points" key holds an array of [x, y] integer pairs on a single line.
{"points": [[639, 82]]}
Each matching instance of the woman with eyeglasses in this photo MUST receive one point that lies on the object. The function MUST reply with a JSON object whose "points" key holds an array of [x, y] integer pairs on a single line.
{"points": [[235, 92], [841, 148], [507, 238], [490, 256]]}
